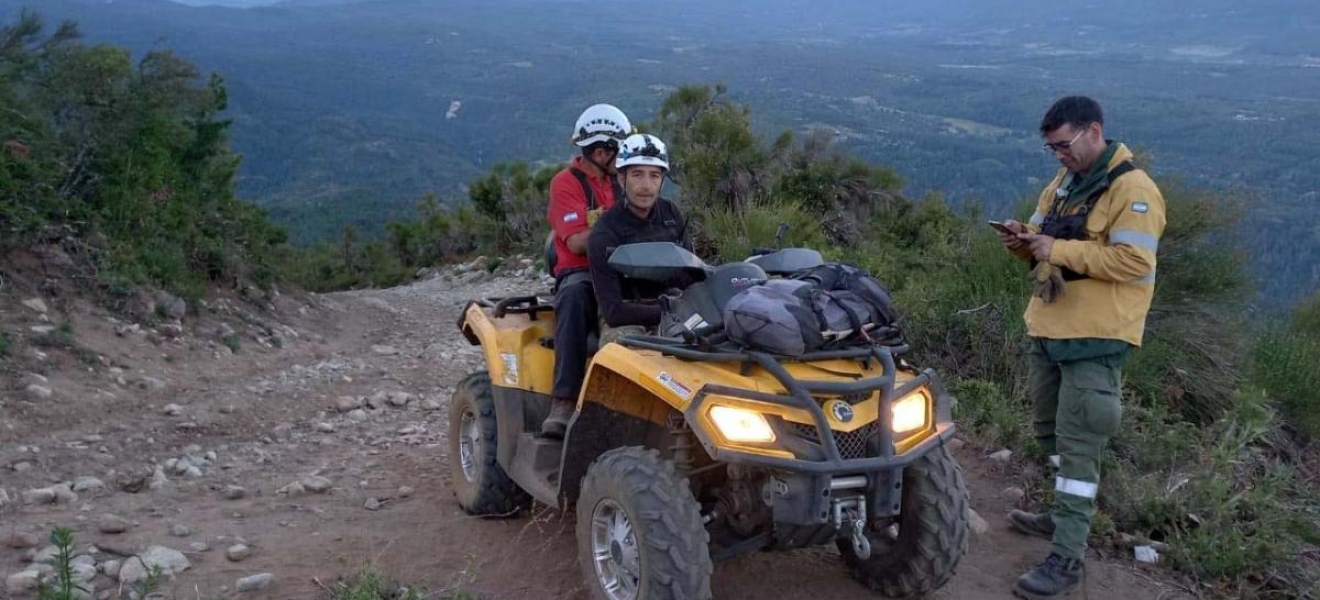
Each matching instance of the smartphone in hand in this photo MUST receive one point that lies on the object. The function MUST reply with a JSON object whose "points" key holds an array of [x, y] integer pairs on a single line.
{"points": [[1001, 227]]}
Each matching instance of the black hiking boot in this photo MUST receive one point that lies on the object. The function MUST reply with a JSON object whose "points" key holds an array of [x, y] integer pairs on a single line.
{"points": [[1057, 577], [1040, 525], [556, 424]]}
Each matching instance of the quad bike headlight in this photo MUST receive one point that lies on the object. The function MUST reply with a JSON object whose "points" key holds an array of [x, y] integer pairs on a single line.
{"points": [[741, 425], [910, 412]]}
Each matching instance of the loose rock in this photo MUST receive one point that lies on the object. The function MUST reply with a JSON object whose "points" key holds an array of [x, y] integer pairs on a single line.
{"points": [[151, 383], [22, 583], [373, 504], [316, 484], [384, 350], [158, 479], [110, 568], [22, 540], [39, 496], [399, 399], [234, 492], [112, 524], [358, 414], [88, 484], [179, 530], [406, 492], [39, 392], [254, 583], [36, 304], [171, 562], [172, 410], [238, 553], [978, 524], [1001, 456], [1013, 494], [347, 403]]}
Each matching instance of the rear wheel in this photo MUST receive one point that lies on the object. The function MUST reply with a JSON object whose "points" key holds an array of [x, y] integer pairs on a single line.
{"points": [[639, 530], [920, 552], [481, 486]]}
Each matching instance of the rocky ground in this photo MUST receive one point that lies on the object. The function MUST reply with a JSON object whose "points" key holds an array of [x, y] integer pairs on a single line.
{"points": [[265, 445]]}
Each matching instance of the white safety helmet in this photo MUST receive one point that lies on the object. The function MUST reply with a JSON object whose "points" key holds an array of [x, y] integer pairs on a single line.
{"points": [[601, 123], [642, 149]]}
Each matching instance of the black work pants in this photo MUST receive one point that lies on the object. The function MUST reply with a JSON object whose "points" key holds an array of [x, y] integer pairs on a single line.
{"points": [[575, 318]]}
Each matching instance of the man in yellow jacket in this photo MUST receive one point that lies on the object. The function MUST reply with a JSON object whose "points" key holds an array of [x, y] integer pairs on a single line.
{"points": [[1092, 244]]}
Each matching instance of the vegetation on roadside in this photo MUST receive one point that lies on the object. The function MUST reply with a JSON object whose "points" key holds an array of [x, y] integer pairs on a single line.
{"points": [[124, 164]]}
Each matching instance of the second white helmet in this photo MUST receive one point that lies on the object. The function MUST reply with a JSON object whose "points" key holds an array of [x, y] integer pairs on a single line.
{"points": [[642, 149], [601, 123]]}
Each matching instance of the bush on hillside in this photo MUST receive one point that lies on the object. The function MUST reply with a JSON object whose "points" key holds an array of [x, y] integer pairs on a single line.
{"points": [[127, 160]]}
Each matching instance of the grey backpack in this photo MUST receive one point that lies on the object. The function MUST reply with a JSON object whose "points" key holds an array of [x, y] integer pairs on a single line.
{"points": [[793, 317]]}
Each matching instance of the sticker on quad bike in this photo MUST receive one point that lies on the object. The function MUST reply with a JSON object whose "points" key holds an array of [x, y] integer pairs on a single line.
{"points": [[510, 368], [668, 381]]}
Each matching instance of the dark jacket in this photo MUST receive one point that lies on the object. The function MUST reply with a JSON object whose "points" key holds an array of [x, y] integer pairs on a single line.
{"points": [[617, 295]]}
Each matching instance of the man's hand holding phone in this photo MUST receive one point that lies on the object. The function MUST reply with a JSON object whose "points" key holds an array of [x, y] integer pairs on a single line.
{"points": [[1008, 233]]}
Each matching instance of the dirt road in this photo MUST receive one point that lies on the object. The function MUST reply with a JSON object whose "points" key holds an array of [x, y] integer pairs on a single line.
{"points": [[374, 486]]}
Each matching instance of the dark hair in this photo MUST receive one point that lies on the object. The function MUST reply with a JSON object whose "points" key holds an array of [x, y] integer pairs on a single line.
{"points": [[591, 148], [1078, 111]]}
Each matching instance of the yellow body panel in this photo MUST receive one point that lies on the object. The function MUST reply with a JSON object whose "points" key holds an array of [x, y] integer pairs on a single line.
{"points": [[512, 345], [628, 381]]}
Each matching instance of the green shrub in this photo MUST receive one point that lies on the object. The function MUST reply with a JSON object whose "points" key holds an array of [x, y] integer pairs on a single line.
{"points": [[5, 344], [989, 414], [233, 342], [1284, 365], [131, 163]]}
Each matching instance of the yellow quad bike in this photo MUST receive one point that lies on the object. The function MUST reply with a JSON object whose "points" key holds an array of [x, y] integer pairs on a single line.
{"points": [[684, 452]]}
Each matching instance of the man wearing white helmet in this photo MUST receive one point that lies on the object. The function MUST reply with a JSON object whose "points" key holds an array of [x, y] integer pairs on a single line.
{"points": [[627, 305], [578, 195]]}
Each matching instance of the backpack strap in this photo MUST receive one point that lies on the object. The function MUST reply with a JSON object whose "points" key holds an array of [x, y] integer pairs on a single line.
{"points": [[589, 192], [586, 187], [1120, 170]]}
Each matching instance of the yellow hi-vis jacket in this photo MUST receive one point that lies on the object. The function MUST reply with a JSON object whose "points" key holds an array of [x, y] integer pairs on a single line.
{"points": [[1124, 230]]}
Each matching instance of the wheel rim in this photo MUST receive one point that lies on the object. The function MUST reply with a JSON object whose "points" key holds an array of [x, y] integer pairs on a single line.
{"points": [[614, 551], [469, 437]]}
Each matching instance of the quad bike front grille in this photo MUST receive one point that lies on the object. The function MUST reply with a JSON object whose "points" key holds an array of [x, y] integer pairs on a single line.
{"points": [[852, 444]]}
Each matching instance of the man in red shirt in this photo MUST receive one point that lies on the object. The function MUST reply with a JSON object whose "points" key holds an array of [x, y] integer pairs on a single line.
{"points": [[578, 195]]}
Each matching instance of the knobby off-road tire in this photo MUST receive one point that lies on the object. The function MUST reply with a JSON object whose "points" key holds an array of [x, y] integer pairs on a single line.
{"points": [[481, 486], [665, 553], [932, 532]]}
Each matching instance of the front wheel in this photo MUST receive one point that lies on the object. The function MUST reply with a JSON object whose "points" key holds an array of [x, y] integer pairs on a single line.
{"points": [[919, 553], [482, 487], [639, 530]]}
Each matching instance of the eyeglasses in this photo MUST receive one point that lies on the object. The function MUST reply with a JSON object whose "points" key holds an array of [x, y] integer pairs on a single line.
{"points": [[1064, 147]]}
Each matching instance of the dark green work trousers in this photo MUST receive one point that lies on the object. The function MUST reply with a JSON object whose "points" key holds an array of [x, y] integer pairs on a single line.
{"points": [[1075, 387]]}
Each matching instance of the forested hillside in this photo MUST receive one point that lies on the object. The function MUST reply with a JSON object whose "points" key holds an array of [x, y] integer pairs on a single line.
{"points": [[353, 111]]}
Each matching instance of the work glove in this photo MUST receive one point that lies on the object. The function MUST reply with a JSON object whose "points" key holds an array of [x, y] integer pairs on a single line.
{"points": [[1048, 280]]}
